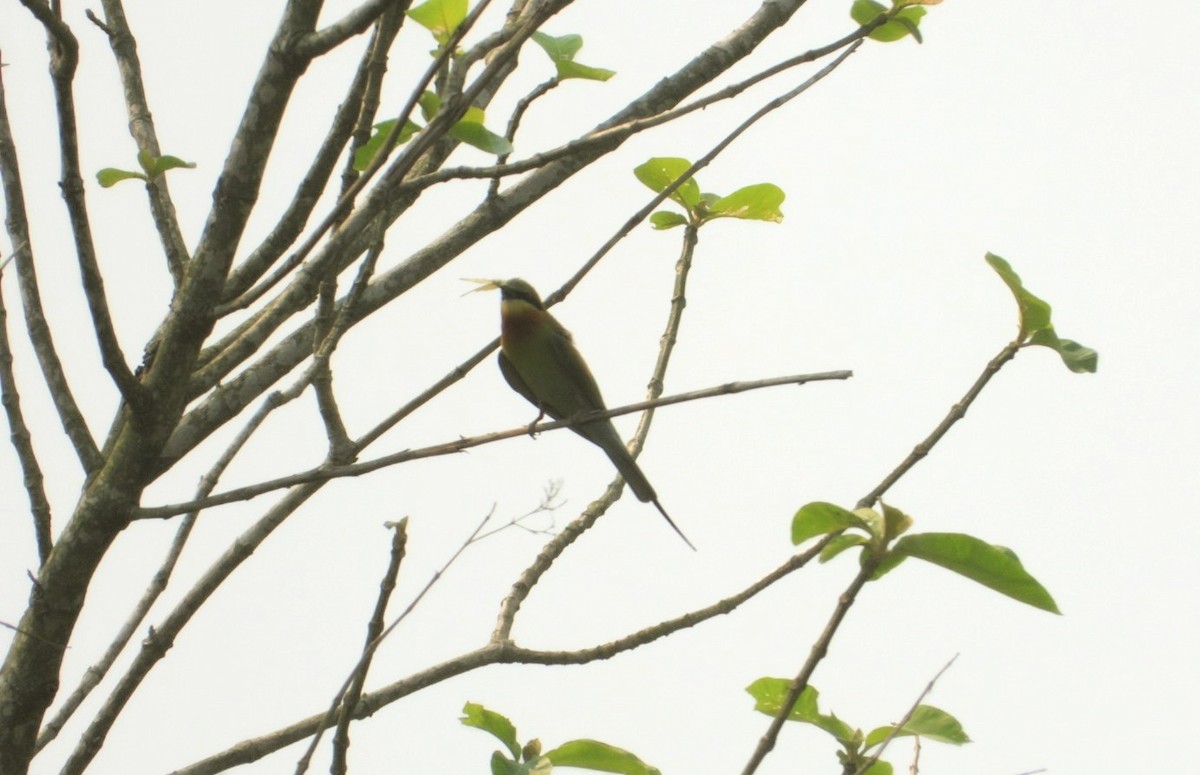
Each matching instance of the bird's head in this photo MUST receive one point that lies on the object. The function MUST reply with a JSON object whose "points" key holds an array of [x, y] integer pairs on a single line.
{"points": [[514, 290]]}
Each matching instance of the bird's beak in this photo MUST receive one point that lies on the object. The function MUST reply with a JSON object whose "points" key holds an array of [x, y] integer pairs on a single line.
{"points": [[484, 285]]}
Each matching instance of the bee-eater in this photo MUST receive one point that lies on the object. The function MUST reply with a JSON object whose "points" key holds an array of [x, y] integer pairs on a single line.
{"points": [[539, 361]]}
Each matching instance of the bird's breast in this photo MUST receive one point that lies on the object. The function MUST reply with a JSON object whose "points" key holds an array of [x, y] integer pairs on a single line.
{"points": [[519, 322]]}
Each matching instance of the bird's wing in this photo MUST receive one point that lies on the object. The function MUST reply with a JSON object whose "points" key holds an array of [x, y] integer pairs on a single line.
{"points": [[585, 393], [516, 383]]}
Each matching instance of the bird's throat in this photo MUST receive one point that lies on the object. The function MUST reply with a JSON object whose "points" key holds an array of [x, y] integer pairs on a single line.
{"points": [[518, 322]]}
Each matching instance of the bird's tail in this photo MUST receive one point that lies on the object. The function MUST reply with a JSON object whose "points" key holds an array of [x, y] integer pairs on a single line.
{"points": [[638, 484], [671, 522]]}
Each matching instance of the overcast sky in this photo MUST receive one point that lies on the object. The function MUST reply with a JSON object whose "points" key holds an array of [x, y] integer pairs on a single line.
{"points": [[1059, 136]]}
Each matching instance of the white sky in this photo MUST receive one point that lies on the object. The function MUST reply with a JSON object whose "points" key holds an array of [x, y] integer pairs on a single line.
{"points": [[1060, 136]]}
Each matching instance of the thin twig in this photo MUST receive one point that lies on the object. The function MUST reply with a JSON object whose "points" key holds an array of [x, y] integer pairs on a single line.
{"points": [[514, 121], [496, 652], [341, 736], [956, 413], [22, 440], [617, 133], [899, 726], [327, 472], [141, 128], [819, 649], [637, 218], [348, 707]]}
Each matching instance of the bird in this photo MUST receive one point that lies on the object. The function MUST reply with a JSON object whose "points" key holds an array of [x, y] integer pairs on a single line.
{"points": [[539, 360]]}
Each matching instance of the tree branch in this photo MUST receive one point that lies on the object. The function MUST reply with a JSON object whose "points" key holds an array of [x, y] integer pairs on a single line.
{"points": [[324, 473], [354, 115], [141, 128], [819, 649], [957, 412], [407, 159], [22, 441], [350, 698], [96, 673], [64, 57], [353, 23], [486, 218], [899, 725], [496, 652], [35, 319]]}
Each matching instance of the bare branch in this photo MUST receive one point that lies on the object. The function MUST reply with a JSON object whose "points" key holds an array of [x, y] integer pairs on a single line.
{"points": [[352, 120], [141, 128], [957, 412], [514, 121], [322, 380], [406, 160], [496, 652], [35, 319], [96, 673], [354, 23], [324, 473], [350, 693], [341, 737], [22, 441]]}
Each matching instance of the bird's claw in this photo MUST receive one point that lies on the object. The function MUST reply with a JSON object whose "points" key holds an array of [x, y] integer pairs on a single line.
{"points": [[532, 430]]}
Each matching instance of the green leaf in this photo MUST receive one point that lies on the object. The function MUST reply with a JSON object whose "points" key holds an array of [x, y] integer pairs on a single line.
{"points": [[770, 694], [819, 518], [594, 755], [1035, 313], [759, 202], [430, 104], [576, 70], [370, 149], [470, 130], [441, 17], [928, 722], [841, 544], [662, 171], [493, 723], [152, 167], [865, 11], [895, 521], [110, 176], [562, 51], [163, 163], [995, 567], [903, 22], [880, 767], [1035, 322], [500, 765], [667, 219], [1077, 358]]}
